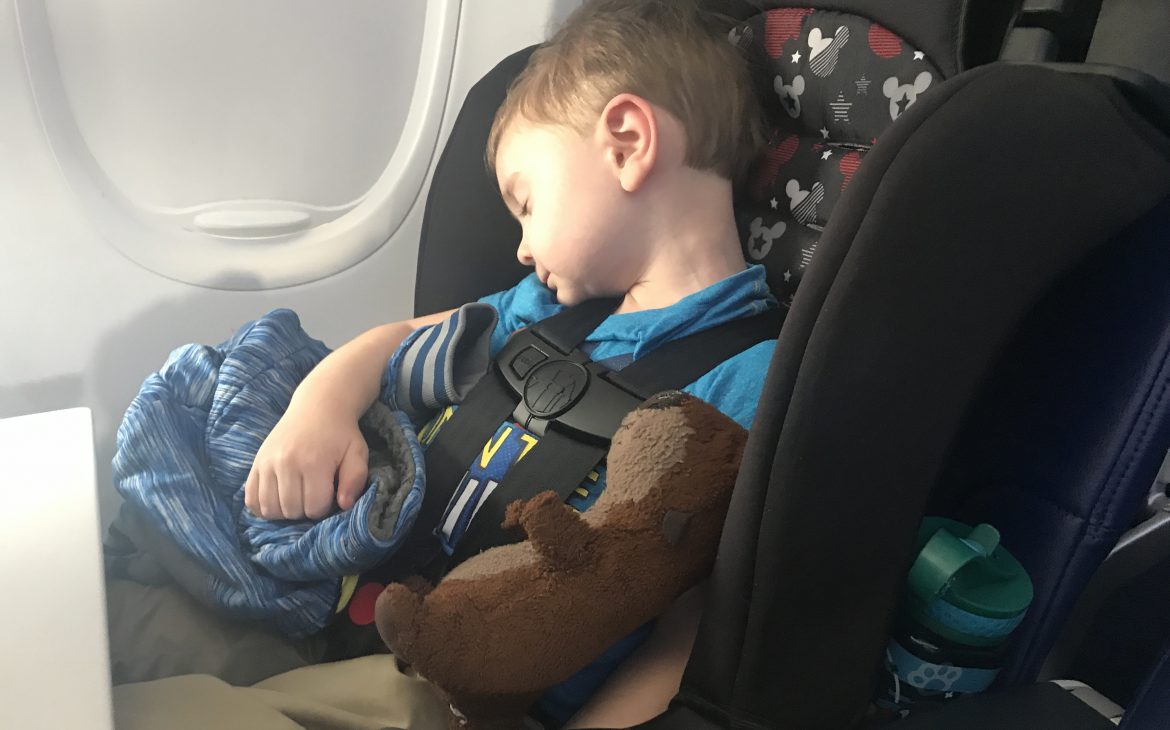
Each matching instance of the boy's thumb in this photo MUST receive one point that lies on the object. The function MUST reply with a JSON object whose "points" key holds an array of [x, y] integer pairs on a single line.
{"points": [[351, 477]]}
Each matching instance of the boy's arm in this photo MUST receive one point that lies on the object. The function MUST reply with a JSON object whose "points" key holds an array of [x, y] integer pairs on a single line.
{"points": [[643, 686], [438, 366], [316, 450], [351, 376]]}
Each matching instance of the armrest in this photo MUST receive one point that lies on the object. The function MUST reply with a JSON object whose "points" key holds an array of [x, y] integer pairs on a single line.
{"points": [[1045, 706]]}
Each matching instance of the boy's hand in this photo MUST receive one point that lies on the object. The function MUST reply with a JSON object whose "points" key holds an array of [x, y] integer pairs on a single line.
{"points": [[316, 446], [311, 448]]}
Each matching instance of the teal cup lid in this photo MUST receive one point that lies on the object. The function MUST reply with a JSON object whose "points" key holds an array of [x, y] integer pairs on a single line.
{"points": [[967, 568]]}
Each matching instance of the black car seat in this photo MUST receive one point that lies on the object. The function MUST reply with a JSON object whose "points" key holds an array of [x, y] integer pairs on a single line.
{"points": [[1151, 708], [1112, 634], [929, 356]]}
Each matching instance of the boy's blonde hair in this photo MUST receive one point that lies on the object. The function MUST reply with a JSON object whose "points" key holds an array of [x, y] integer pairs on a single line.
{"points": [[666, 51]]}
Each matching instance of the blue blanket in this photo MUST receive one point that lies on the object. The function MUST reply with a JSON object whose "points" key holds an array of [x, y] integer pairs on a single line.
{"points": [[184, 451]]}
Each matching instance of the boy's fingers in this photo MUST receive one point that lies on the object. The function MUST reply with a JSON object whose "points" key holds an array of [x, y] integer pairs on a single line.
{"points": [[269, 498], [318, 491], [252, 491], [289, 493], [351, 476]]}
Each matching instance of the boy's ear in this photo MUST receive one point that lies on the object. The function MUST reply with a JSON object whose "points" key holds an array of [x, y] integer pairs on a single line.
{"points": [[629, 132]]}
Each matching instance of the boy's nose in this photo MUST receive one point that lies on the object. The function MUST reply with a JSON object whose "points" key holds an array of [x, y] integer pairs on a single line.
{"points": [[524, 254]]}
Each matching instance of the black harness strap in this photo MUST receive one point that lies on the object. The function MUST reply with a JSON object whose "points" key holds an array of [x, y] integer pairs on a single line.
{"points": [[573, 404], [567, 329], [558, 463], [455, 446], [490, 403], [561, 461], [685, 360]]}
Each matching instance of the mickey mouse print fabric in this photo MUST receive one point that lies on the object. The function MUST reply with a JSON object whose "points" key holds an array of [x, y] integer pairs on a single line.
{"points": [[837, 81]]}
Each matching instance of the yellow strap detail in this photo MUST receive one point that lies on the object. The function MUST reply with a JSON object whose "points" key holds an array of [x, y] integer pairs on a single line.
{"points": [[348, 586]]}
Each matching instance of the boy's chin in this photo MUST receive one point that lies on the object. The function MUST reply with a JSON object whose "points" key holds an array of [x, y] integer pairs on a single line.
{"points": [[569, 296], [565, 296]]}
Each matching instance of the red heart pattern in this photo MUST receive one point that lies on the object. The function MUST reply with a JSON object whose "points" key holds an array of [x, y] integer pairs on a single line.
{"points": [[848, 166], [770, 163], [820, 135], [782, 25], [883, 43]]}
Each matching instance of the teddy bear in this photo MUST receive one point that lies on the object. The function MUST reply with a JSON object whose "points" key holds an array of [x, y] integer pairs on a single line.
{"points": [[507, 624]]}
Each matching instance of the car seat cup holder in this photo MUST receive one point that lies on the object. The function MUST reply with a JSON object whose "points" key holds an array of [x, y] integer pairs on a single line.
{"points": [[965, 594]]}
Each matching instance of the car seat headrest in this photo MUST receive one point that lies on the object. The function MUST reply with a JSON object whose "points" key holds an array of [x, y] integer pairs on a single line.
{"points": [[831, 82], [935, 27]]}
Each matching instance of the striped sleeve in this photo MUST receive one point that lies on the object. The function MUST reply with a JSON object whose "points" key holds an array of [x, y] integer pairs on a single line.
{"points": [[437, 366]]}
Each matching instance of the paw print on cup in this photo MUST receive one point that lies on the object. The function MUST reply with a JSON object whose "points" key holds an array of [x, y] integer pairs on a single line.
{"points": [[934, 678]]}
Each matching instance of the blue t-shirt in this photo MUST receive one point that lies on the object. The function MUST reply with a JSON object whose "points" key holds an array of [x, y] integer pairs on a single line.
{"points": [[733, 387]]}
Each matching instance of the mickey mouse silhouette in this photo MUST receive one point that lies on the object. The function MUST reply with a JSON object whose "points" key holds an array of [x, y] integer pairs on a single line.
{"points": [[789, 94], [803, 203], [740, 36], [901, 95], [760, 242], [823, 52]]}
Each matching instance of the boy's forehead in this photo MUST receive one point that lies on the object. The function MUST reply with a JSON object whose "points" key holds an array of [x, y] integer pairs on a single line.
{"points": [[522, 140], [515, 138], [510, 138], [502, 162]]}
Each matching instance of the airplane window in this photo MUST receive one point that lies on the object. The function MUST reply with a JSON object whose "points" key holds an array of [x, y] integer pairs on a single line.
{"points": [[181, 126]]}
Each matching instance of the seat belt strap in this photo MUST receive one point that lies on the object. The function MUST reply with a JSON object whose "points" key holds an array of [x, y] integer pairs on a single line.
{"points": [[457, 443], [558, 463], [562, 460], [491, 402], [683, 361], [567, 329]]}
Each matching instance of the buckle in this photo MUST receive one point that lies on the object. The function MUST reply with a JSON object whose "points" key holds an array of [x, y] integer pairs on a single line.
{"points": [[567, 391]]}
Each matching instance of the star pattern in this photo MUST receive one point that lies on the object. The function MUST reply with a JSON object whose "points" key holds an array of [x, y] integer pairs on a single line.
{"points": [[840, 108], [850, 95]]}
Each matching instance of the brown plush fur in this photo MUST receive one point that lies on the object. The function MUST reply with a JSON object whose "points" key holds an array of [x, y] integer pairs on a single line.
{"points": [[513, 621]]}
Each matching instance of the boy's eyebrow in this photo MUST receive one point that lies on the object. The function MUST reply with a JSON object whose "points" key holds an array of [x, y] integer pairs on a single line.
{"points": [[509, 184], [509, 196]]}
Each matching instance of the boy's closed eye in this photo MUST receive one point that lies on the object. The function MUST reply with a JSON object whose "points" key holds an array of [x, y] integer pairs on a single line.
{"points": [[519, 210], [511, 200]]}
